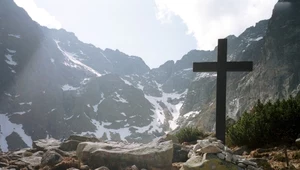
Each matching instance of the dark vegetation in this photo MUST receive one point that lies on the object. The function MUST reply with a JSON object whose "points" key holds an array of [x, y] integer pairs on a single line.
{"points": [[269, 124], [189, 134]]}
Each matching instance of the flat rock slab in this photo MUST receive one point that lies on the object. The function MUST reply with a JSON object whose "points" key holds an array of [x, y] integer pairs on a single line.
{"points": [[46, 144], [210, 149], [208, 162], [116, 155], [32, 160]]}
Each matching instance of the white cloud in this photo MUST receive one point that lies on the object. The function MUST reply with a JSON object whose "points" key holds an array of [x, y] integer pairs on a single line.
{"points": [[39, 15], [209, 20]]}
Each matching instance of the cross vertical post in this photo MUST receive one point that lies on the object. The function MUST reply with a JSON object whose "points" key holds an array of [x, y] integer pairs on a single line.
{"points": [[221, 67], [221, 91]]}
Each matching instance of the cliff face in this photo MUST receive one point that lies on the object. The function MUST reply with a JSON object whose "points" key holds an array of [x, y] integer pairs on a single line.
{"points": [[273, 46]]}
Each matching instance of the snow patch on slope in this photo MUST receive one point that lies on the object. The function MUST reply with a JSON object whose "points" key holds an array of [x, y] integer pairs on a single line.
{"points": [[105, 57], [173, 123], [9, 60], [68, 87], [158, 110], [6, 128], [95, 107], [233, 108], [126, 82], [74, 61], [14, 35], [123, 132], [191, 113], [11, 51], [118, 98], [256, 39]]}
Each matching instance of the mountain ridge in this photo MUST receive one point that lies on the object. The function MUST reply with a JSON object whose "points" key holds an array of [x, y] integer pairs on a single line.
{"points": [[52, 84]]}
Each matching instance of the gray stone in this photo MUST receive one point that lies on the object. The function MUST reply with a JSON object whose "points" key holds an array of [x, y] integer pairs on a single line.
{"points": [[83, 138], [212, 139], [22, 151], [32, 160], [218, 144], [242, 165], [193, 162], [51, 158], [228, 157], [3, 164], [69, 145], [196, 147], [84, 167], [191, 154], [180, 153], [134, 167], [234, 159], [208, 161], [247, 162], [221, 155], [250, 167], [114, 155], [38, 153], [228, 150], [203, 143], [46, 144], [102, 168], [298, 141], [240, 150], [63, 153], [210, 149]]}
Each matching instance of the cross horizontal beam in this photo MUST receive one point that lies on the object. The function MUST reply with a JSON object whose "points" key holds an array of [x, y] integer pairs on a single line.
{"points": [[205, 67], [229, 66], [239, 66]]}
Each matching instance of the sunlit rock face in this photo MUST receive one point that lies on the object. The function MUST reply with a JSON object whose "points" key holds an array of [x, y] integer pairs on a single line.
{"points": [[54, 85]]}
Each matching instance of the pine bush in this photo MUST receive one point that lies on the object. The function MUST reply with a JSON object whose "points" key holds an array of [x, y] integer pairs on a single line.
{"points": [[189, 134], [267, 124]]}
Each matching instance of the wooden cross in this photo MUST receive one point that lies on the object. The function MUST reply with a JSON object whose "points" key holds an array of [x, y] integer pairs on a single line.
{"points": [[221, 67]]}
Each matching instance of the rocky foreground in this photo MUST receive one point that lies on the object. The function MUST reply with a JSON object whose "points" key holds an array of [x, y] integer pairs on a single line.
{"points": [[84, 153]]}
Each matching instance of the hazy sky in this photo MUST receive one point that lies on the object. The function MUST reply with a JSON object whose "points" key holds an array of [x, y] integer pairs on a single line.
{"points": [[156, 30]]}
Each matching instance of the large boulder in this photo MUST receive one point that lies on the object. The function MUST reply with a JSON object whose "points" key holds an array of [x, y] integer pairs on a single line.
{"points": [[113, 155], [73, 141]]}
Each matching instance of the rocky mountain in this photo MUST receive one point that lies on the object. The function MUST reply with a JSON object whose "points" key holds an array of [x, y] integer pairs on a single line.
{"points": [[54, 85], [273, 46]]}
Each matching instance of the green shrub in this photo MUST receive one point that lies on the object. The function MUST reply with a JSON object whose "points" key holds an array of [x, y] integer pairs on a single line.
{"points": [[267, 124], [189, 134]]}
